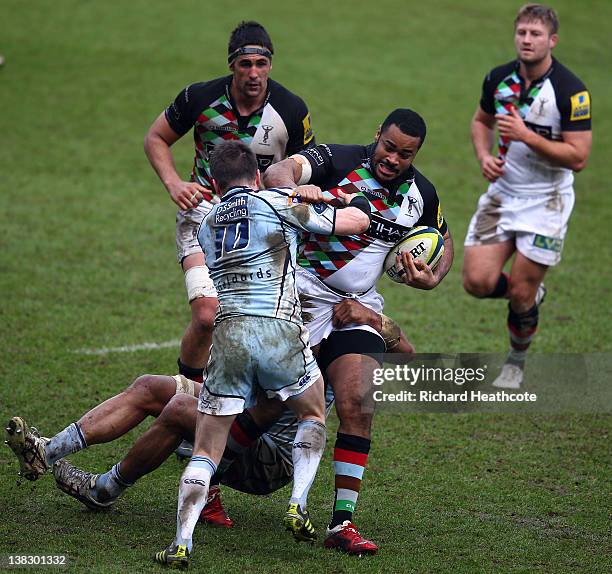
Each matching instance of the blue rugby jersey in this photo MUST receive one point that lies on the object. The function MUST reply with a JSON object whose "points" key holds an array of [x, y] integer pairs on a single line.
{"points": [[250, 242]]}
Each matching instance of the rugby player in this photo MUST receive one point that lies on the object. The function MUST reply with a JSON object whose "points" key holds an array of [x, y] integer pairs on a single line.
{"points": [[259, 444], [336, 270], [257, 459], [248, 106], [259, 342], [543, 114]]}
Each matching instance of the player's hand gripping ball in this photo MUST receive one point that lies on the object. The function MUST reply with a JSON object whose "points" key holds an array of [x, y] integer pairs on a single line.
{"points": [[424, 243]]}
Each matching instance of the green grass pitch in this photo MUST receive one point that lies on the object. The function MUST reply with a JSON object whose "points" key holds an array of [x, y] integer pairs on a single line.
{"points": [[87, 261]]}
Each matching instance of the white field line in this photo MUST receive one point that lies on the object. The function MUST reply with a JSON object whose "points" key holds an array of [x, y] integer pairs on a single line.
{"points": [[129, 348]]}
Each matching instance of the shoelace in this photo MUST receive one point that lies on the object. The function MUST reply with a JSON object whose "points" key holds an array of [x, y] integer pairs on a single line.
{"points": [[78, 475], [351, 530], [32, 451]]}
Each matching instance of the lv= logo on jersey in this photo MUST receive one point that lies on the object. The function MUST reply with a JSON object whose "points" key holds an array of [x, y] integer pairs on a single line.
{"points": [[325, 254]]}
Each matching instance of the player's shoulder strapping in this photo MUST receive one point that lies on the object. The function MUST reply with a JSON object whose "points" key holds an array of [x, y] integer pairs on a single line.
{"points": [[274, 197], [280, 200], [277, 193]]}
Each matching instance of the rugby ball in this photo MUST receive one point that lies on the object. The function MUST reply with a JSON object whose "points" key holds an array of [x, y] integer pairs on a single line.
{"points": [[424, 243]]}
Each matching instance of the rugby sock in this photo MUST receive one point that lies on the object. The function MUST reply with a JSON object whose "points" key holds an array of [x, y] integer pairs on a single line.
{"points": [[110, 485], [350, 459], [66, 442], [193, 491], [501, 288], [307, 451], [243, 433], [522, 327], [192, 373]]}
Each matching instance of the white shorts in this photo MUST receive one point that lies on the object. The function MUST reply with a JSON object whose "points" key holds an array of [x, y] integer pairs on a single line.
{"points": [[249, 354], [318, 301], [197, 279], [187, 226], [537, 224]]}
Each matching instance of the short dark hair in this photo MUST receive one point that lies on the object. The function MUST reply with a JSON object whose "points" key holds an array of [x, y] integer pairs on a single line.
{"points": [[545, 14], [408, 121], [232, 162], [249, 33]]}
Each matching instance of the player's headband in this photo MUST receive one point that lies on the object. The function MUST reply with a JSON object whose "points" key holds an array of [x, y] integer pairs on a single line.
{"points": [[249, 50]]}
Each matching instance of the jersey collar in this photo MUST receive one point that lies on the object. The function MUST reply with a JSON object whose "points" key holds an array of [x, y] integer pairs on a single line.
{"points": [[517, 67], [234, 190]]}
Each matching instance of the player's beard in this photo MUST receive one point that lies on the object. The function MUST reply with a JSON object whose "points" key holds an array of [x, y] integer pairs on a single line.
{"points": [[533, 60]]}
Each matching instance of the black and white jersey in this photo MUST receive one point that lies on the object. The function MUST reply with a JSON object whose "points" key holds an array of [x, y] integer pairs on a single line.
{"points": [[355, 263], [555, 103], [281, 126]]}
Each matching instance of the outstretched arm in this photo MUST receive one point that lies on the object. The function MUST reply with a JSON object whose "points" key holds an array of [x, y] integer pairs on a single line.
{"points": [[351, 311], [286, 173]]}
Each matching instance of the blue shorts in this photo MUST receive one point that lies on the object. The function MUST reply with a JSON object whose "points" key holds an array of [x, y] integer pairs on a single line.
{"points": [[253, 354]]}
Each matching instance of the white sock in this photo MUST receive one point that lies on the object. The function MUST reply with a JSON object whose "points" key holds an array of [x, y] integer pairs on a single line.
{"points": [[66, 442], [110, 485], [193, 491], [307, 451]]}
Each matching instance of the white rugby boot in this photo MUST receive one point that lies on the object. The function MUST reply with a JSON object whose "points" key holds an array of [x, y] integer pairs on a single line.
{"points": [[510, 377]]}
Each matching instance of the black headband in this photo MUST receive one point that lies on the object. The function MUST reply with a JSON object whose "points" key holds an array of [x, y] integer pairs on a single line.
{"points": [[249, 50]]}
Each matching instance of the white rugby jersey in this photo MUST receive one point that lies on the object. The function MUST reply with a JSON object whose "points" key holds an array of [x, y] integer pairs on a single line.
{"points": [[555, 103]]}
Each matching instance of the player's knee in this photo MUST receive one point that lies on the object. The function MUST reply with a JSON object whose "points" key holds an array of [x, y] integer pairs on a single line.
{"points": [[150, 392], [521, 295], [352, 418], [360, 426], [478, 286], [176, 409], [142, 386]]}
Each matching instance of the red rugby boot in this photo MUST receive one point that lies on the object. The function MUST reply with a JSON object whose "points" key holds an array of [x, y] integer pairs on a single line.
{"points": [[213, 513], [346, 537]]}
